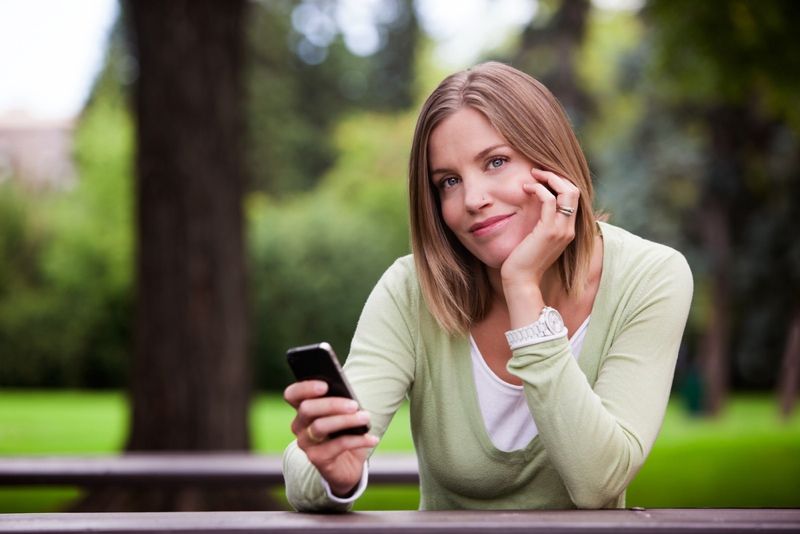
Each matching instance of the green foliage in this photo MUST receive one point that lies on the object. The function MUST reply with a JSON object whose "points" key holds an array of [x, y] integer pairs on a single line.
{"points": [[22, 302], [331, 213], [727, 51], [315, 258], [697, 114], [67, 279], [288, 146], [300, 84], [66, 267]]}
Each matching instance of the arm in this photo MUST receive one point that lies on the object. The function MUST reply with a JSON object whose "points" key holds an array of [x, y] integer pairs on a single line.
{"points": [[598, 439], [380, 367]]}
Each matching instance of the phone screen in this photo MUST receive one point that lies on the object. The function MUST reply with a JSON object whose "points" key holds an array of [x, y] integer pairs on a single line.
{"points": [[319, 362]]}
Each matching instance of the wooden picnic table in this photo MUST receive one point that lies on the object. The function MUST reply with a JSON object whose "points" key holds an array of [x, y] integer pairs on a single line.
{"points": [[237, 469], [199, 469], [461, 522]]}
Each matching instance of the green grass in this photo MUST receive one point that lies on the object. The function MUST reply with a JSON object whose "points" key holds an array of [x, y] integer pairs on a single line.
{"points": [[747, 457]]}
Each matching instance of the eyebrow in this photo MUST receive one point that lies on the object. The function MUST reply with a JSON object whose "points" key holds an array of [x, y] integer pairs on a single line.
{"points": [[479, 156]]}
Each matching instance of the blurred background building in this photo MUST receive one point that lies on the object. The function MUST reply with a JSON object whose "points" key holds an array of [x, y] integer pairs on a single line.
{"points": [[38, 151]]}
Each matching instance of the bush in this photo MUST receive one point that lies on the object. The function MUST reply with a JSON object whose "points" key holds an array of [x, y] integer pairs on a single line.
{"points": [[65, 268], [66, 271], [314, 259]]}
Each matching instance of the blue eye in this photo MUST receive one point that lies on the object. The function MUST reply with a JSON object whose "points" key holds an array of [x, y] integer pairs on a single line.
{"points": [[448, 182], [496, 163]]}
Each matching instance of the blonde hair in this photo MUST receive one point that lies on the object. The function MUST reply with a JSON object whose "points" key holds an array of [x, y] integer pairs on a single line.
{"points": [[454, 283]]}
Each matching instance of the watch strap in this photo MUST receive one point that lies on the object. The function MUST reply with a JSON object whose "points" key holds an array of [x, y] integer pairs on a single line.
{"points": [[538, 331]]}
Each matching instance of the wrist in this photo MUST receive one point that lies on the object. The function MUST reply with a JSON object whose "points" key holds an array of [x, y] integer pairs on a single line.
{"points": [[354, 493], [518, 277], [525, 303], [547, 327], [344, 491]]}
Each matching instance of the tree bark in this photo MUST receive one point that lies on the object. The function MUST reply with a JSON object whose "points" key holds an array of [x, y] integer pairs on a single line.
{"points": [[715, 344], [790, 368], [190, 375]]}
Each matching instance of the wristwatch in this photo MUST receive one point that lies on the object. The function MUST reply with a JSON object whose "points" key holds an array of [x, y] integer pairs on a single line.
{"points": [[549, 326]]}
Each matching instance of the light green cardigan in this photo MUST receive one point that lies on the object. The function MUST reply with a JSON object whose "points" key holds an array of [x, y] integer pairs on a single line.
{"points": [[597, 417]]}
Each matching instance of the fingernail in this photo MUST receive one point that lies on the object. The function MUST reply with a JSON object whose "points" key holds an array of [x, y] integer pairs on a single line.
{"points": [[351, 406], [363, 416], [321, 387]]}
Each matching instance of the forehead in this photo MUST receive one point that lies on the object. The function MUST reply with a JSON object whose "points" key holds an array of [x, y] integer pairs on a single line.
{"points": [[461, 135]]}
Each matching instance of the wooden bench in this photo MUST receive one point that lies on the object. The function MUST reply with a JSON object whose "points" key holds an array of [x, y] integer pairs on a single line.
{"points": [[461, 522], [259, 470], [159, 469]]}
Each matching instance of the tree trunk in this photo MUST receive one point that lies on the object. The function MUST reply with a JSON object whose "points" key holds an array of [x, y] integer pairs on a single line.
{"points": [[715, 343], [190, 380], [790, 368], [190, 375]]}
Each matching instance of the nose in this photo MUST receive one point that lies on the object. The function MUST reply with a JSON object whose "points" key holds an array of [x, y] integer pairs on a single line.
{"points": [[476, 195]]}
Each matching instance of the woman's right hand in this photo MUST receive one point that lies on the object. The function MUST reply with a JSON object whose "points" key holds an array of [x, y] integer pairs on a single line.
{"points": [[340, 461]]}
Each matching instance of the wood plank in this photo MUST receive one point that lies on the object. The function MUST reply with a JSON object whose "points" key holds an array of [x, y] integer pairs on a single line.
{"points": [[625, 521], [177, 468]]}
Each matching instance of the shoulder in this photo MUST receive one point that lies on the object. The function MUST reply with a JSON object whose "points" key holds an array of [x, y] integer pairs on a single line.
{"points": [[391, 315], [637, 253], [401, 275], [398, 286], [633, 259]]}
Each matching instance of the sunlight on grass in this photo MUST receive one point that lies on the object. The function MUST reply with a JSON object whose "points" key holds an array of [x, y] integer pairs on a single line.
{"points": [[747, 457], [40, 422]]}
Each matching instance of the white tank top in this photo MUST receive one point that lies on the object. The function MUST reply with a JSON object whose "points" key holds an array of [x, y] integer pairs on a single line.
{"points": [[504, 408]]}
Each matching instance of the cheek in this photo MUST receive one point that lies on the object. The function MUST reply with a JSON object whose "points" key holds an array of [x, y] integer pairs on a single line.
{"points": [[449, 214], [534, 213], [530, 216]]}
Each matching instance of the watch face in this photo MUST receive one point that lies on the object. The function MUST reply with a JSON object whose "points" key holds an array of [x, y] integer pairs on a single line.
{"points": [[554, 321]]}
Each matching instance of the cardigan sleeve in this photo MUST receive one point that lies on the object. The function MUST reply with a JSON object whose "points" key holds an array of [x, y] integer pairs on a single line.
{"points": [[599, 437], [380, 368]]}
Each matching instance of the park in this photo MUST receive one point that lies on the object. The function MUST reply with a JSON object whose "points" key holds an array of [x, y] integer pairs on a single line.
{"points": [[238, 184]]}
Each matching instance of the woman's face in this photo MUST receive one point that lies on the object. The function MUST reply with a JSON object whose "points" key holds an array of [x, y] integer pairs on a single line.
{"points": [[479, 178]]}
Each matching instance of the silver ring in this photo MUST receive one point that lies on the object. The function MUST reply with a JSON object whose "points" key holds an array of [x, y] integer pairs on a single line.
{"points": [[565, 210]]}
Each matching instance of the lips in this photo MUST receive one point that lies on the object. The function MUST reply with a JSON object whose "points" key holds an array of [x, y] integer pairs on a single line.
{"points": [[487, 225]]}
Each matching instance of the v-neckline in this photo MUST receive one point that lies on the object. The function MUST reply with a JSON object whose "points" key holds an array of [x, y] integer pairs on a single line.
{"points": [[470, 394]]}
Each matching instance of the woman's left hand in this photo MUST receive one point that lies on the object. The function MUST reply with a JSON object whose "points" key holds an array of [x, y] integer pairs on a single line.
{"points": [[530, 260]]}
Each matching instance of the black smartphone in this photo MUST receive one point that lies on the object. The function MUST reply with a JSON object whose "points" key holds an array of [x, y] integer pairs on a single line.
{"points": [[319, 362]]}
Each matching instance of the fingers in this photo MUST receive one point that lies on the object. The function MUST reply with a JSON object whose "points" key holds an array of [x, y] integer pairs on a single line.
{"points": [[311, 409], [296, 393], [317, 417], [317, 433], [566, 194], [550, 235], [546, 198], [560, 199], [328, 451], [321, 426]]}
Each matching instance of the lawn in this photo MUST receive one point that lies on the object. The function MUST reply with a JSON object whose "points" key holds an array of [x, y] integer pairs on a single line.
{"points": [[747, 457]]}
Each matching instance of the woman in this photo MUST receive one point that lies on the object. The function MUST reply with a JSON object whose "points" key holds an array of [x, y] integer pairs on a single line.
{"points": [[536, 344]]}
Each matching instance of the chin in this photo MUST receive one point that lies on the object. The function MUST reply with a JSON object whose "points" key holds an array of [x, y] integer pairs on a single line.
{"points": [[493, 261]]}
